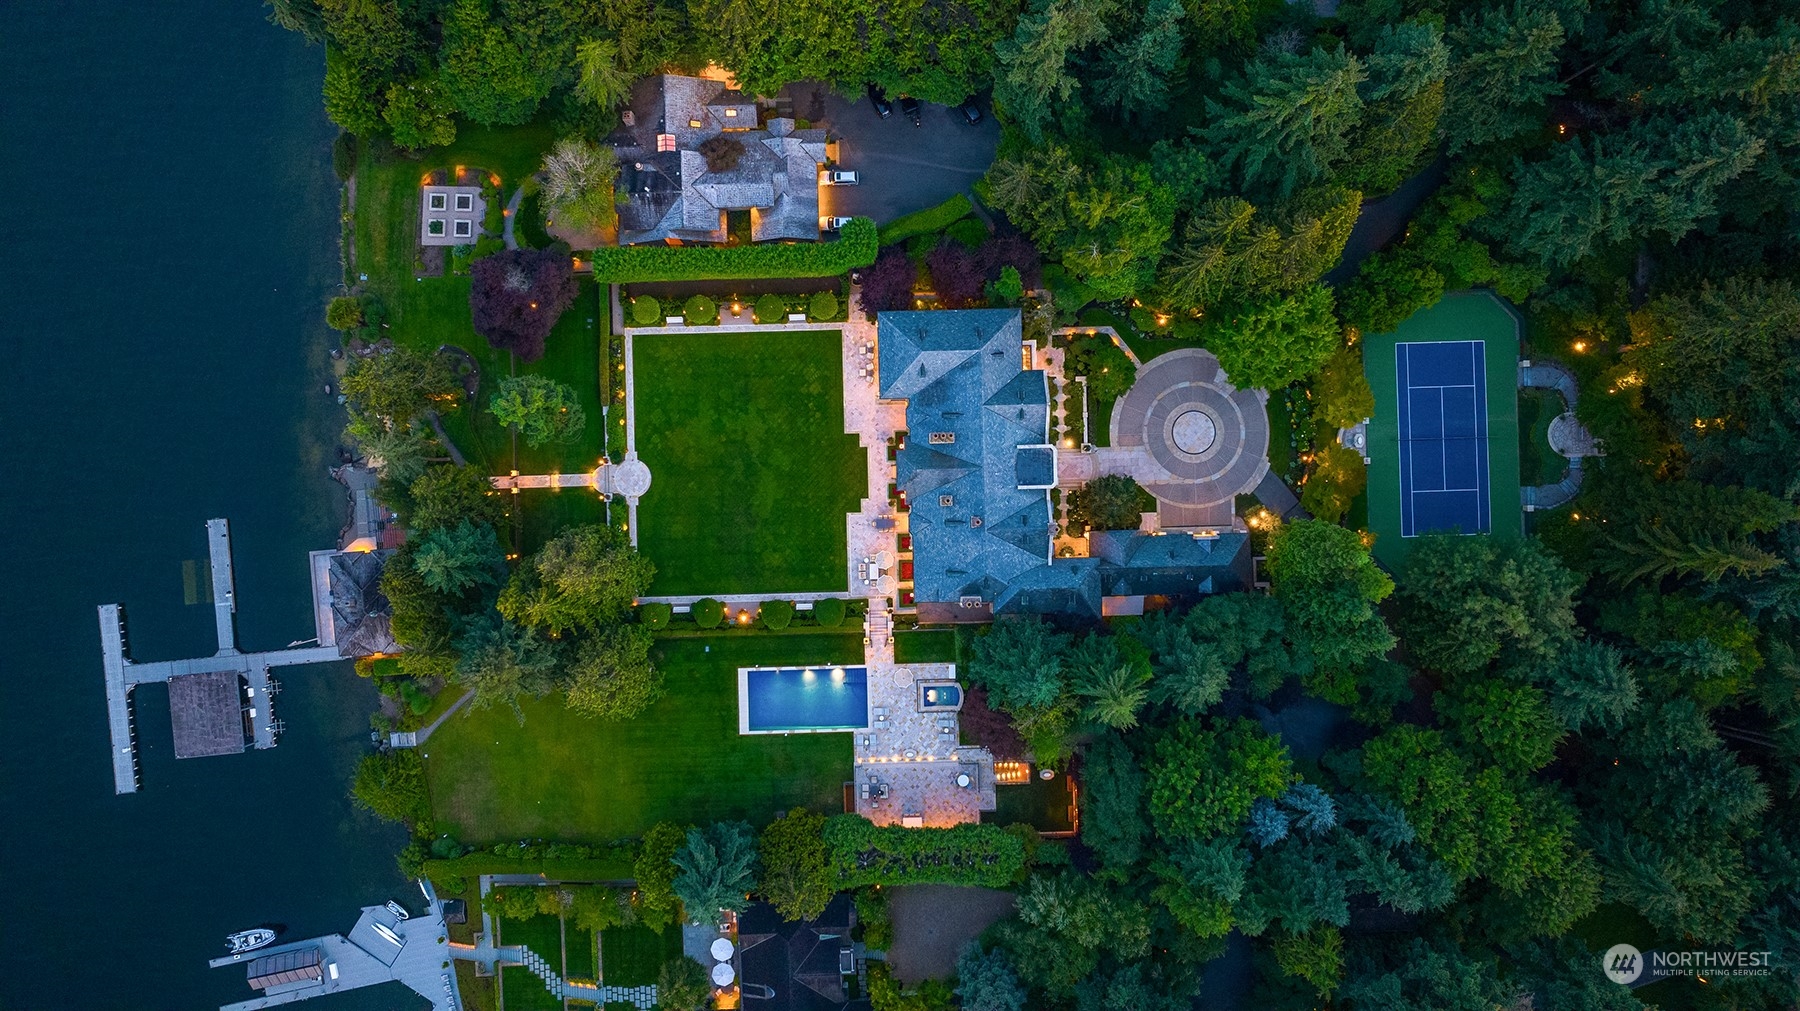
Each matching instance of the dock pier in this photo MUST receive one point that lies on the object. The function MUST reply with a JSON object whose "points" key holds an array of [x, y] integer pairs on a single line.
{"points": [[381, 948], [208, 730]]}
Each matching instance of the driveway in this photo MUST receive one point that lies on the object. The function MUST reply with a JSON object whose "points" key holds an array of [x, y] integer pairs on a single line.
{"points": [[903, 168], [932, 923]]}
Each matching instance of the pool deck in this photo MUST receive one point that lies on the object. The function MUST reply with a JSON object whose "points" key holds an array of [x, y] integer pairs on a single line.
{"points": [[908, 750]]}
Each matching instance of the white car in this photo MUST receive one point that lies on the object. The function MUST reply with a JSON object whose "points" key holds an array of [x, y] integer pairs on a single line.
{"points": [[833, 224], [842, 177]]}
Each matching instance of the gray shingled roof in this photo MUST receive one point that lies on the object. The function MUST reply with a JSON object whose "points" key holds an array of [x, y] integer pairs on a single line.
{"points": [[360, 613], [975, 469], [672, 194]]}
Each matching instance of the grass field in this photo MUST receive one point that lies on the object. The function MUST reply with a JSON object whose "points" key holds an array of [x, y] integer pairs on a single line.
{"points": [[567, 778], [522, 991], [632, 956], [1466, 315], [752, 471], [932, 645], [1040, 804], [1538, 463], [519, 988], [580, 952]]}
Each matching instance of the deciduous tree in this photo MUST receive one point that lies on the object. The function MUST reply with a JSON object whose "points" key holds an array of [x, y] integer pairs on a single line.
{"points": [[1272, 343], [583, 578], [1203, 781], [613, 677], [517, 296], [541, 409], [796, 873]]}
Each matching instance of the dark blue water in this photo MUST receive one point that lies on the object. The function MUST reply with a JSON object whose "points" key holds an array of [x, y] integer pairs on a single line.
{"points": [[171, 240], [812, 698]]}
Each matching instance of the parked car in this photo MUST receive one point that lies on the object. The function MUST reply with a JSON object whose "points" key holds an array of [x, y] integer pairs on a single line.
{"points": [[842, 177], [910, 108], [833, 224], [971, 113], [879, 100]]}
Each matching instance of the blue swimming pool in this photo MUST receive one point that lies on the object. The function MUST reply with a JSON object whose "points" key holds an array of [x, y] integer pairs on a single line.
{"points": [[776, 700]]}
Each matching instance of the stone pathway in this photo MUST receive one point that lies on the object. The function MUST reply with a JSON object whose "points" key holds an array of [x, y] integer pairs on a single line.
{"points": [[512, 215], [1568, 437], [414, 738]]}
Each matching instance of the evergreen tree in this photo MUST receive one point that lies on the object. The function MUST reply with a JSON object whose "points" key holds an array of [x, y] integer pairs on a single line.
{"points": [[1592, 684], [1288, 121], [985, 981], [1114, 681], [1135, 68], [1504, 67], [715, 869], [452, 560], [1114, 826], [1034, 74], [502, 661], [1468, 601]]}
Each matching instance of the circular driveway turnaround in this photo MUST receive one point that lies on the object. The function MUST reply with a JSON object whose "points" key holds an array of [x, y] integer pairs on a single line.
{"points": [[1198, 441]]}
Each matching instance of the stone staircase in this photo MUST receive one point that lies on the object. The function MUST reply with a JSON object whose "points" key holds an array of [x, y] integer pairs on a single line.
{"points": [[541, 969]]}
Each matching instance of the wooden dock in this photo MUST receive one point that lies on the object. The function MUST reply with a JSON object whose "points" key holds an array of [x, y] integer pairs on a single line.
{"points": [[124, 674]]}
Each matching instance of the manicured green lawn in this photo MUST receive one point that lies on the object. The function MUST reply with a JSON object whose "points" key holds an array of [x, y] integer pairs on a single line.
{"points": [[632, 956], [1538, 463], [1464, 315], [932, 645], [581, 949], [520, 988], [1040, 804], [387, 191], [751, 470], [567, 778]]}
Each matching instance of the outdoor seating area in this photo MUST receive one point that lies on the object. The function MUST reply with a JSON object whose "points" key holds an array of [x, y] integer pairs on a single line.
{"points": [[866, 369]]}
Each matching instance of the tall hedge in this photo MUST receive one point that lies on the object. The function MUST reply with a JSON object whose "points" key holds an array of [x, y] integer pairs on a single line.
{"points": [[829, 613], [855, 247], [927, 221], [862, 854]]}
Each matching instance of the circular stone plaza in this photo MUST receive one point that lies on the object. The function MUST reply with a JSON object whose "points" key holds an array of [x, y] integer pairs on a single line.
{"points": [[1194, 441]]}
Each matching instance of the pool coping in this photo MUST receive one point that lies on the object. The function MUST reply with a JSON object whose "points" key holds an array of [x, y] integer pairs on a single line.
{"points": [[743, 688]]}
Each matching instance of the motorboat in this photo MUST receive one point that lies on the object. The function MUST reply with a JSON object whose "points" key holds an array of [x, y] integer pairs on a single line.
{"points": [[248, 940], [398, 910]]}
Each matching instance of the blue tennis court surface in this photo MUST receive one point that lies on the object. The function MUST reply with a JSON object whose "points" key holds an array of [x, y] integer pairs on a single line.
{"points": [[1443, 437]]}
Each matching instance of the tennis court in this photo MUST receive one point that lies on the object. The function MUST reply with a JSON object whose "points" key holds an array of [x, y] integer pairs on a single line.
{"points": [[1443, 443], [1441, 389]]}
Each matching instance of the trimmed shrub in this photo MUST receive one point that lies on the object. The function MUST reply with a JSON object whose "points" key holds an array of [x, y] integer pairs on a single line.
{"points": [[770, 308], [656, 614], [823, 307], [862, 854], [829, 613], [646, 311], [855, 247], [776, 614], [708, 612], [345, 312], [927, 221], [970, 232], [700, 311]]}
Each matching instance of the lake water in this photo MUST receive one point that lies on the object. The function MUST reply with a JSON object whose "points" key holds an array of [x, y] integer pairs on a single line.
{"points": [[172, 241]]}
